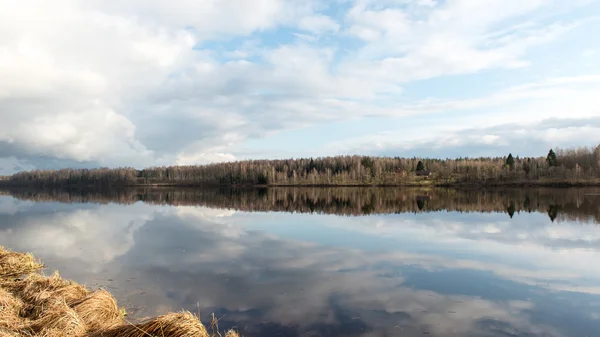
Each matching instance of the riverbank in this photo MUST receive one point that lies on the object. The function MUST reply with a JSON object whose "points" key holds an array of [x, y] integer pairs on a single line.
{"points": [[554, 183], [35, 305]]}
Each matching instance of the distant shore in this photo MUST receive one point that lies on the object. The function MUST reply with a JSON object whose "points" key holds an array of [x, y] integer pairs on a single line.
{"points": [[423, 183], [556, 184], [563, 168]]}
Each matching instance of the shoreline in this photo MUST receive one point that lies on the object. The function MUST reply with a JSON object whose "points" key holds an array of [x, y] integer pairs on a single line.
{"points": [[426, 183], [35, 305]]}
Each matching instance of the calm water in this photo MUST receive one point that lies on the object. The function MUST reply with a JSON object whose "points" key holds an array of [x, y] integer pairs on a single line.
{"points": [[330, 262]]}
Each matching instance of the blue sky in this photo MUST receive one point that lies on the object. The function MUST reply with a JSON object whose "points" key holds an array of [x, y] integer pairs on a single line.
{"points": [[97, 83]]}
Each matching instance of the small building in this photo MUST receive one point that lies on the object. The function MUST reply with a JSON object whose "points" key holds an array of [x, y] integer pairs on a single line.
{"points": [[424, 173]]}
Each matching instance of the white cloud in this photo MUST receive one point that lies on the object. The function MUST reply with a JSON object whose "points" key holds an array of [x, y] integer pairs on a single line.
{"points": [[553, 112], [405, 45], [203, 158], [475, 142], [490, 139], [145, 82], [209, 19], [73, 70], [318, 24]]}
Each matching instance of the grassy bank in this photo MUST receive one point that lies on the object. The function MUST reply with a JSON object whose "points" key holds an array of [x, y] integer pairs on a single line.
{"points": [[35, 305]]}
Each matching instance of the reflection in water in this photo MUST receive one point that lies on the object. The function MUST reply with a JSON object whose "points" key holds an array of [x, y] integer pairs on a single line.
{"points": [[563, 204], [406, 274]]}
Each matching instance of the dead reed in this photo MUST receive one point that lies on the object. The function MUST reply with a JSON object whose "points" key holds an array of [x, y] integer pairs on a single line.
{"points": [[98, 310], [58, 319], [37, 291], [34, 305], [14, 265], [183, 324], [9, 311], [8, 333]]}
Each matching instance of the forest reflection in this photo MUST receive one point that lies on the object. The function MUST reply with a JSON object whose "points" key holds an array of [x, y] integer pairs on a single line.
{"points": [[572, 204]]}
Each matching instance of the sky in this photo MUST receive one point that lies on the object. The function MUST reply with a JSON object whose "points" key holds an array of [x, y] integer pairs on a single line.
{"points": [[148, 83]]}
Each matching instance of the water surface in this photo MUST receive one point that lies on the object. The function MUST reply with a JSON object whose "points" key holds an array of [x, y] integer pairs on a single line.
{"points": [[329, 262]]}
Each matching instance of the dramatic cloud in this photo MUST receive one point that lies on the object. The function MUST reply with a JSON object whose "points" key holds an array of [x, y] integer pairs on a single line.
{"points": [[91, 83]]}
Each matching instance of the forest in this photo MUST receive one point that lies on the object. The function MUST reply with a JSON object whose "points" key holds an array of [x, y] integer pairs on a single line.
{"points": [[575, 204], [577, 166]]}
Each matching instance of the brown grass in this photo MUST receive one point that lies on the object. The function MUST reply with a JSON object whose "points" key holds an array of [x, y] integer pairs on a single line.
{"points": [[183, 324], [8, 333], [58, 319], [34, 305], [98, 310], [37, 291], [14, 265], [9, 310]]}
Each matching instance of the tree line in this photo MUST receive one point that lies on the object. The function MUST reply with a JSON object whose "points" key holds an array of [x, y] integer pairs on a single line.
{"points": [[567, 166], [576, 204]]}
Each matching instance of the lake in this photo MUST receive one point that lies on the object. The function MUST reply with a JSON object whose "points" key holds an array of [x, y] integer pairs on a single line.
{"points": [[329, 261]]}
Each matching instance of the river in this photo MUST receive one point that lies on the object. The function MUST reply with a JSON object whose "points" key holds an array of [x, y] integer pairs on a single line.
{"points": [[329, 261]]}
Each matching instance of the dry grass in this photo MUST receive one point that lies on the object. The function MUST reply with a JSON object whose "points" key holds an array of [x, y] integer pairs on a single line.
{"points": [[98, 310], [8, 333], [37, 291], [58, 319], [183, 324], [10, 306], [14, 265], [214, 329], [49, 306]]}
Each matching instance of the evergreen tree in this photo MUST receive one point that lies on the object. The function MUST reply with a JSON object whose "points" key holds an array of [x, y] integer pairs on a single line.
{"points": [[262, 179], [553, 212], [551, 158], [420, 166], [510, 161], [511, 209]]}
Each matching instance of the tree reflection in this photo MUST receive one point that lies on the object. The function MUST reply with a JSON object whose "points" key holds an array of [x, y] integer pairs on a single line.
{"points": [[560, 204]]}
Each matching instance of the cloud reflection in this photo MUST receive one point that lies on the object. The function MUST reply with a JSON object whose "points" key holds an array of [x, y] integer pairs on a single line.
{"points": [[95, 235], [267, 282]]}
